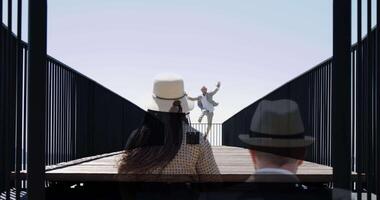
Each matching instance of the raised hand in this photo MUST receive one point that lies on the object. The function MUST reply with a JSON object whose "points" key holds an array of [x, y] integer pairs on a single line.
{"points": [[218, 84]]}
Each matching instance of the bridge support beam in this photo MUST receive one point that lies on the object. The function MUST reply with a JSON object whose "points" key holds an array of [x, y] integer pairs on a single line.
{"points": [[341, 94], [37, 99]]}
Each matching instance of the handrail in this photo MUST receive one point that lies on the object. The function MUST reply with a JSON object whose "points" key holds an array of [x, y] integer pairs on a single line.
{"points": [[312, 90], [316, 67], [83, 117]]}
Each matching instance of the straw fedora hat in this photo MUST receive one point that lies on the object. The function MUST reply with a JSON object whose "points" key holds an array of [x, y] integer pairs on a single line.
{"points": [[277, 124], [168, 88]]}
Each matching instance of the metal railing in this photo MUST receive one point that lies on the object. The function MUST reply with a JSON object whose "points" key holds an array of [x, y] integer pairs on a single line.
{"points": [[82, 117], [313, 93], [12, 87], [215, 134]]}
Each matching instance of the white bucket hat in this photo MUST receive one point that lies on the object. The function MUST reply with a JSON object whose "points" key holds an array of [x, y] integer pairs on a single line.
{"points": [[168, 88], [277, 124]]}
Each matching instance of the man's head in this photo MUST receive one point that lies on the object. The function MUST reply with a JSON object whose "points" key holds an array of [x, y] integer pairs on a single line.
{"points": [[277, 136], [204, 90], [281, 158]]}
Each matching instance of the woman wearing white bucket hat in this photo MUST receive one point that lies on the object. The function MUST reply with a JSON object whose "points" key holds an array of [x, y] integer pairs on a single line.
{"points": [[168, 88], [166, 143]]}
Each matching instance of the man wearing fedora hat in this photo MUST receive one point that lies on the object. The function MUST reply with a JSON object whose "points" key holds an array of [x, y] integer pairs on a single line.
{"points": [[277, 128], [277, 144], [206, 103]]}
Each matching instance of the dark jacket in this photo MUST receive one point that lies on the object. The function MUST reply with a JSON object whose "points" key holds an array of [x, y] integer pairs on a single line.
{"points": [[268, 191]]}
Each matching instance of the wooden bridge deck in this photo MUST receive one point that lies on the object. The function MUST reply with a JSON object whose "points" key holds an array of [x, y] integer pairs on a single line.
{"points": [[234, 164]]}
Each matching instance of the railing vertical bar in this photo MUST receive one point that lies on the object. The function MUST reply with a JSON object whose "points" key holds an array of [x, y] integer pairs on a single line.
{"points": [[8, 112], [369, 124], [66, 112], [19, 113], [358, 101], [48, 108], [315, 117], [71, 116], [329, 94], [36, 110], [2, 101], [25, 122], [64, 140], [60, 113], [68, 96], [325, 108], [55, 113], [74, 114], [353, 116], [320, 117], [326, 160], [378, 98], [365, 113], [60, 130], [52, 104], [58, 139], [353, 150], [52, 113], [63, 143], [72, 119], [341, 94], [219, 135], [56, 100], [51, 116]]}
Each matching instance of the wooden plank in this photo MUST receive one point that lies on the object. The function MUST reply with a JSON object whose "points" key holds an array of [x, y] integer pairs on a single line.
{"points": [[234, 163]]}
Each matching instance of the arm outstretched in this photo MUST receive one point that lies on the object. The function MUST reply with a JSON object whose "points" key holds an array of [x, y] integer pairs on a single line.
{"points": [[192, 98], [216, 89]]}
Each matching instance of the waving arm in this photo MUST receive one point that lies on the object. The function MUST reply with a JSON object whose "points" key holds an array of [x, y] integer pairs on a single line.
{"points": [[216, 89]]}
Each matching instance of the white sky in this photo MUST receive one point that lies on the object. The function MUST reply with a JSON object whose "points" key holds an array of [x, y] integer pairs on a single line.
{"points": [[251, 46]]}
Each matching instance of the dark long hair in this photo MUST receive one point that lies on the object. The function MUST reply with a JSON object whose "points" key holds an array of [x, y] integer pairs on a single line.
{"points": [[155, 143]]}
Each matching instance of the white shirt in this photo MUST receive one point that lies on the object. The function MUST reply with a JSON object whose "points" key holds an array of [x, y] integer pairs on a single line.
{"points": [[206, 105]]}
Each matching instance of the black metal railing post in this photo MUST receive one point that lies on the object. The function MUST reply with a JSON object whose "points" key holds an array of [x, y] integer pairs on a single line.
{"points": [[377, 92], [11, 97], [368, 103], [2, 96], [19, 100], [341, 92], [37, 98], [358, 113]]}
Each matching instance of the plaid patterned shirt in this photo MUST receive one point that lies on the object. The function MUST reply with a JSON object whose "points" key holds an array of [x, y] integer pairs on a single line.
{"points": [[191, 159]]}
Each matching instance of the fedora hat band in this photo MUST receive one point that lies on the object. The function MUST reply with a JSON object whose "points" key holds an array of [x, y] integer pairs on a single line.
{"points": [[169, 99], [264, 135]]}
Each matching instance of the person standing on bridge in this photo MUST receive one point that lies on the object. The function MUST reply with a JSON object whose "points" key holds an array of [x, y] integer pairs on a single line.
{"points": [[206, 104]]}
